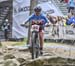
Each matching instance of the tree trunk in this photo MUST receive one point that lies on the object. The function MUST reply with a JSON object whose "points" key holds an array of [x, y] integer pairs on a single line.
{"points": [[33, 3]]}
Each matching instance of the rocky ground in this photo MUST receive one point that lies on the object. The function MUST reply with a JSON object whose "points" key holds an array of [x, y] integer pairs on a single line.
{"points": [[54, 55]]}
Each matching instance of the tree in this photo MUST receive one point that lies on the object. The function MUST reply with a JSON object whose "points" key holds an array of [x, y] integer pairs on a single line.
{"points": [[33, 3]]}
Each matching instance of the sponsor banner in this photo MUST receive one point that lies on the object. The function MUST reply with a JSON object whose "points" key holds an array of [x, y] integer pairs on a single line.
{"points": [[20, 14], [50, 8]]}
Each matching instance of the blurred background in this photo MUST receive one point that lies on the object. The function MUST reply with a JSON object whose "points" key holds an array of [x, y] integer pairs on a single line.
{"points": [[15, 12]]}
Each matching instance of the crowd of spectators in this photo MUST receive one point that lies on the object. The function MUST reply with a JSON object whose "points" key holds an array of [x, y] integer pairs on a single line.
{"points": [[69, 19], [70, 4], [60, 23], [63, 20]]}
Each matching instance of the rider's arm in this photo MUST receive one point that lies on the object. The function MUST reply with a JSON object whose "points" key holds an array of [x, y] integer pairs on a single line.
{"points": [[46, 21], [28, 19]]}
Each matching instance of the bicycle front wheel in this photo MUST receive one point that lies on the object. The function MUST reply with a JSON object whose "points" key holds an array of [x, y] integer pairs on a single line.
{"points": [[35, 46]]}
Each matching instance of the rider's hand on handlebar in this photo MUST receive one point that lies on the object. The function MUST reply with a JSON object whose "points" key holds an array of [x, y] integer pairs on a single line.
{"points": [[47, 24], [24, 25]]}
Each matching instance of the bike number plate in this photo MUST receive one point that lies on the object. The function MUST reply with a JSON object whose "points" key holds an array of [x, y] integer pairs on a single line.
{"points": [[35, 28]]}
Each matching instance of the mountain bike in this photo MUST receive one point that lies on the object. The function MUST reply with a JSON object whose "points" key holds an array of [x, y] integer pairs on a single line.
{"points": [[35, 42]]}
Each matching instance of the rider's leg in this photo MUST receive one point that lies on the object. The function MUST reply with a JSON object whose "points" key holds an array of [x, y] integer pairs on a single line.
{"points": [[41, 36]]}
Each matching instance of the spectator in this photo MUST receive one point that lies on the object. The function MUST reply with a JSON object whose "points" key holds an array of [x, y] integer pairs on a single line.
{"points": [[52, 19], [71, 6], [6, 27], [60, 20], [54, 22], [71, 19]]}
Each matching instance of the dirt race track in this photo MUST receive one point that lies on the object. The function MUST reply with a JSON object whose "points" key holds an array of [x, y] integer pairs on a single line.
{"points": [[50, 49]]}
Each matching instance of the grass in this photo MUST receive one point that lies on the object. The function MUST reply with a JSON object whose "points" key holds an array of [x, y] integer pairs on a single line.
{"points": [[21, 42], [0, 44], [24, 42], [13, 43]]}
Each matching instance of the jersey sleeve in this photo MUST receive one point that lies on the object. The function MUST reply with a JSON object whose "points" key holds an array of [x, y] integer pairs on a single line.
{"points": [[29, 19], [45, 19]]}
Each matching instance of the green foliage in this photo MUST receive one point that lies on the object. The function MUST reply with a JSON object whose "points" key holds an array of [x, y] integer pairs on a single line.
{"points": [[0, 44], [21, 43]]}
